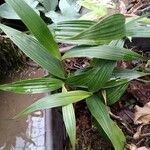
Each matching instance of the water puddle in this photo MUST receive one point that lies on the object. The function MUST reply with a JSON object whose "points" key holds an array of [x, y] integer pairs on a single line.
{"points": [[22, 134]]}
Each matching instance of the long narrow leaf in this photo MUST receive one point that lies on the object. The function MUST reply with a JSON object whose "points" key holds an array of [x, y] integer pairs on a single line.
{"points": [[35, 51], [7, 12], [93, 33], [36, 25], [136, 28], [55, 100], [32, 86], [70, 123], [115, 88], [100, 113], [103, 52], [101, 75], [114, 83], [127, 74], [64, 31], [94, 78], [114, 94], [123, 76], [68, 29], [110, 28], [49, 4]]}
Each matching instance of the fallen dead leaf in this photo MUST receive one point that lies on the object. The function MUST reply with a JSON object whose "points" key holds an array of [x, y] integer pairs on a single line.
{"points": [[122, 7], [143, 148], [134, 147], [142, 114]]}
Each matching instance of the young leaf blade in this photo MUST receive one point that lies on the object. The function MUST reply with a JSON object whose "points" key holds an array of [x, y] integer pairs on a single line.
{"points": [[100, 113], [55, 100], [33, 49], [103, 52], [32, 86], [113, 94], [70, 123], [36, 25], [101, 74], [49, 4], [68, 29], [94, 78], [136, 28], [128, 74], [110, 28]]}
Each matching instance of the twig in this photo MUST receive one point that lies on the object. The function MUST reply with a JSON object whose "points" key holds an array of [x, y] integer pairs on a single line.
{"points": [[121, 121], [138, 134], [115, 116], [145, 135], [141, 80]]}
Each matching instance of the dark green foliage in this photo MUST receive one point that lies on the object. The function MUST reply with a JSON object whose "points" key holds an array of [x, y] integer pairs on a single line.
{"points": [[101, 83]]}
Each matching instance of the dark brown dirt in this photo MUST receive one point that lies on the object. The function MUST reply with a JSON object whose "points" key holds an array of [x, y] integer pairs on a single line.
{"points": [[88, 138]]}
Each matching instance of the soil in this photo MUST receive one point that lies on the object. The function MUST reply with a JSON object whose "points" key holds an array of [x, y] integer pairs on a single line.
{"points": [[88, 138]]}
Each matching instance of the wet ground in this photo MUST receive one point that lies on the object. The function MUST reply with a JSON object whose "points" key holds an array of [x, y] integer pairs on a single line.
{"points": [[27, 133]]}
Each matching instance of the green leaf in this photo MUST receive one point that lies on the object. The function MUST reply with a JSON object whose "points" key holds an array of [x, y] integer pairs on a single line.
{"points": [[71, 1], [55, 100], [32, 86], [36, 25], [94, 78], [68, 11], [70, 123], [49, 4], [103, 52], [103, 32], [110, 28], [127, 74], [68, 29], [135, 28], [35, 51], [56, 17], [123, 76], [100, 130], [114, 94], [100, 113], [100, 75], [119, 83], [98, 9], [80, 79], [114, 82], [7, 12]]}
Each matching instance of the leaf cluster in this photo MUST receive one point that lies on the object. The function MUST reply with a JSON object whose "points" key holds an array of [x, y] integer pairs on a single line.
{"points": [[101, 84]]}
